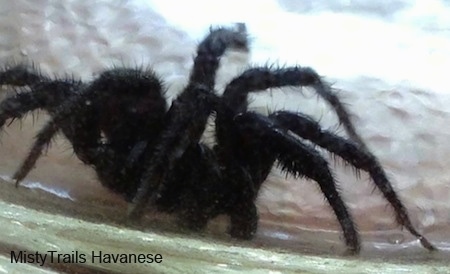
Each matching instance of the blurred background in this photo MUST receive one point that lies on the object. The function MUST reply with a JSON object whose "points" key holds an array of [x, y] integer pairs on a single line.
{"points": [[388, 59]]}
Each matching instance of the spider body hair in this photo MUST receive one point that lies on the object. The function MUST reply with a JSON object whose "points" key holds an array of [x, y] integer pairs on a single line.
{"points": [[151, 154]]}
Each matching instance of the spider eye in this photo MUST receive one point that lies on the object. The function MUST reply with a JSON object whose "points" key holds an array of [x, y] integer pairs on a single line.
{"points": [[237, 117]]}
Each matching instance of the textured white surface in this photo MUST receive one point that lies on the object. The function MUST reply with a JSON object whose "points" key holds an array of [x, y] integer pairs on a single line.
{"points": [[390, 62]]}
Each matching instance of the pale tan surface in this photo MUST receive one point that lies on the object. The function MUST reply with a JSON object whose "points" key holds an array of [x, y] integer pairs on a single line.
{"points": [[33, 231], [406, 128]]}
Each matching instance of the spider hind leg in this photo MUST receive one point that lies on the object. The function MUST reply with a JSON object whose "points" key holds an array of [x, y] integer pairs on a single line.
{"points": [[261, 78], [350, 152], [301, 160]]}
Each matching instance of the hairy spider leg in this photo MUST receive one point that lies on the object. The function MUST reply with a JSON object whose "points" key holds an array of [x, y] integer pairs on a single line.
{"points": [[307, 128], [262, 78], [44, 137], [187, 117], [42, 141], [16, 106], [186, 124], [43, 93], [259, 79], [89, 149], [211, 49], [61, 113], [300, 160], [251, 152], [130, 107], [21, 75], [127, 106]]}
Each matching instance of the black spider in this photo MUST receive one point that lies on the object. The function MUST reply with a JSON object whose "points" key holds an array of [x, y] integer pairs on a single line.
{"points": [[120, 125]]}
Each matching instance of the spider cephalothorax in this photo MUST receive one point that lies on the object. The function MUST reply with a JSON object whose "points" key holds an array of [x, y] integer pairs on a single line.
{"points": [[152, 155]]}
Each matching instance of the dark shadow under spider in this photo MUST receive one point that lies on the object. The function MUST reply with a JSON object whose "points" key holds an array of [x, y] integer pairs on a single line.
{"points": [[120, 125]]}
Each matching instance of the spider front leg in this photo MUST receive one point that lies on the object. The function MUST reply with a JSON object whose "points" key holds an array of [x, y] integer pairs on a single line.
{"points": [[42, 140], [23, 102], [109, 165], [17, 106], [300, 160], [43, 92], [61, 98], [21, 75], [126, 105], [362, 159]]}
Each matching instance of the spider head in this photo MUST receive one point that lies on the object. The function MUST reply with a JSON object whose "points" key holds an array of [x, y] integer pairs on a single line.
{"points": [[131, 102]]}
